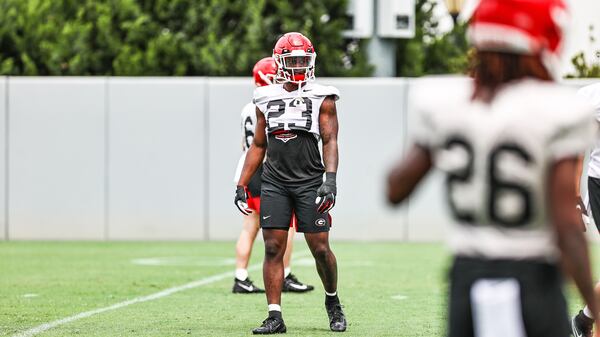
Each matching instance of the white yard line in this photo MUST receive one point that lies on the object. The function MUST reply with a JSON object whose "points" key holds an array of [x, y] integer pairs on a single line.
{"points": [[195, 284]]}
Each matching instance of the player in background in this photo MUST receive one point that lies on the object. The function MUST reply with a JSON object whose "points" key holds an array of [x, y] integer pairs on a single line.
{"points": [[292, 118], [583, 322], [508, 143], [264, 73]]}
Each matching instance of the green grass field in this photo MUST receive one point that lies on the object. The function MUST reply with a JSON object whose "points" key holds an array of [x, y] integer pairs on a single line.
{"points": [[388, 289]]}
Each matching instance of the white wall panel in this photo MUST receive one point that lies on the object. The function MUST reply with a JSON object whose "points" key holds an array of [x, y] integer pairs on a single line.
{"points": [[227, 97], [156, 158], [372, 130], [3, 129], [56, 156], [171, 147], [428, 212]]}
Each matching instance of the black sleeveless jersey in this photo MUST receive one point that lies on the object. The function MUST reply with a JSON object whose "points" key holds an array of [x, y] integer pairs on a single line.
{"points": [[293, 134], [293, 158]]}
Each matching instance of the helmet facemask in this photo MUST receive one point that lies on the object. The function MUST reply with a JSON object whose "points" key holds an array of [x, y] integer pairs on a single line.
{"points": [[296, 66], [268, 78]]}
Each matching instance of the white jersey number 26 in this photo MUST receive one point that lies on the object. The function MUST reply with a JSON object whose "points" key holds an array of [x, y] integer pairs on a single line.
{"points": [[497, 187]]}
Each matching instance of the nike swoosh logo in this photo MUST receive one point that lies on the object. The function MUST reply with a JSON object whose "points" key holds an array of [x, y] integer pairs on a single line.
{"points": [[266, 217], [299, 287], [248, 288]]}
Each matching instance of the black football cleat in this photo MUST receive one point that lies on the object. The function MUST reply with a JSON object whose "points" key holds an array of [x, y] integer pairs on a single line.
{"points": [[337, 319], [245, 287], [291, 284], [581, 325], [270, 326]]}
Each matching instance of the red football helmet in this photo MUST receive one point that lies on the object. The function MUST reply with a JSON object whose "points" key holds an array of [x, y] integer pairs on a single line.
{"points": [[295, 56], [264, 72], [530, 27]]}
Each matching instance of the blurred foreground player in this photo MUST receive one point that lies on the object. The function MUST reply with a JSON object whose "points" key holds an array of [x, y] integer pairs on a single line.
{"points": [[508, 144], [583, 322], [292, 118], [264, 73]]}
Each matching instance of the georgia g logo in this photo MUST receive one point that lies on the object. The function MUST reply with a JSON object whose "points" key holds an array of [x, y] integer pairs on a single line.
{"points": [[320, 222]]}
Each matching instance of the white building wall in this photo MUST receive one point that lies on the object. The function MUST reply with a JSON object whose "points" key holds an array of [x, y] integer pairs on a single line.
{"points": [[3, 135], [156, 155], [56, 156], [226, 98], [154, 158]]}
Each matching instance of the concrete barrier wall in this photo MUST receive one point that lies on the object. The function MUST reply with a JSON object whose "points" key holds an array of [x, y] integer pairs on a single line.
{"points": [[56, 158], [3, 147], [226, 97], [154, 159]]}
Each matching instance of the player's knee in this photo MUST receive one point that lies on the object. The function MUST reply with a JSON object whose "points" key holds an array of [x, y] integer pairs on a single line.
{"points": [[321, 252], [273, 249]]}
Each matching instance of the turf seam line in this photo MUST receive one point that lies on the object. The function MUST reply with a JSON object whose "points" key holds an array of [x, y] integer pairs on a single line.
{"points": [[169, 291], [206, 164], [6, 157], [106, 167]]}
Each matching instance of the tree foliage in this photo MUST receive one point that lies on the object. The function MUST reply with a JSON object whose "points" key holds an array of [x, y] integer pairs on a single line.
{"points": [[583, 68], [167, 37], [430, 51]]}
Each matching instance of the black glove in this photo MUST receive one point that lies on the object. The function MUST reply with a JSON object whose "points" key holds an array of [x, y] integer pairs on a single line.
{"points": [[326, 193], [241, 200]]}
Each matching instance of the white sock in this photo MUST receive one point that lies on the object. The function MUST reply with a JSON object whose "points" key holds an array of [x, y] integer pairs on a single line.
{"points": [[286, 272], [274, 307], [331, 294], [587, 312], [241, 274]]}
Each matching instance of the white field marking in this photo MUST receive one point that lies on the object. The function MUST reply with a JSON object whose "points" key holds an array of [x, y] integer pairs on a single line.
{"points": [[184, 261], [170, 291], [399, 297], [30, 295]]}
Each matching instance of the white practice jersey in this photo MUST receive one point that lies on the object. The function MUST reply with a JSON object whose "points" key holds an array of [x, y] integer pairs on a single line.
{"points": [[248, 126], [497, 157], [591, 93], [286, 110]]}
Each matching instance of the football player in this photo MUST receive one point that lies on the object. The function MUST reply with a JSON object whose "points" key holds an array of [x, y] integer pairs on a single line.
{"points": [[508, 144], [264, 73], [291, 119], [583, 322]]}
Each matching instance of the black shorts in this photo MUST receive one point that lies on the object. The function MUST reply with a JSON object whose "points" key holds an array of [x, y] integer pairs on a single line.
{"points": [[594, 199], [255, 182], [543, 306], [278, 202]]}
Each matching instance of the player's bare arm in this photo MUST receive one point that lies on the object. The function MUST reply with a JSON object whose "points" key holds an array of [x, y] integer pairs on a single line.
{"points": [[256, 152], [580, 204], [406, 174], [254, 157], [578, 172], [328, 124], [328, 127], [565, 219]]}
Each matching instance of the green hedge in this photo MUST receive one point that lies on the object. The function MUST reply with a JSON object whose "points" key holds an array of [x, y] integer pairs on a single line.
{"points": [[430, 51], [167, 37]]}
